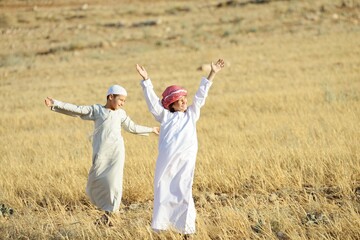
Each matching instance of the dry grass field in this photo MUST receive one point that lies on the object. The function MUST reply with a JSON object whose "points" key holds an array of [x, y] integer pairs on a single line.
{"points": [[279, 153]]}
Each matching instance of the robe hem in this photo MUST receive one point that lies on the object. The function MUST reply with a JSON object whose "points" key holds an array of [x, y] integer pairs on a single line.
{"points": [[170, 226]]}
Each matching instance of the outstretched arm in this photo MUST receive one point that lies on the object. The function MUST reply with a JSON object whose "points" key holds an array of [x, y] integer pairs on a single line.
{"points": [[85, 112], [215, 68], [132, 127]]}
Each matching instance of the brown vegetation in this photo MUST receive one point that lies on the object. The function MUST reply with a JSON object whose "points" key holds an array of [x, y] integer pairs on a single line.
{"points": [[279, 154]]}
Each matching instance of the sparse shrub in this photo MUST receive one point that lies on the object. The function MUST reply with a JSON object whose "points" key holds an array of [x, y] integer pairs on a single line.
{"points": [[7, 21], [6, 211]]}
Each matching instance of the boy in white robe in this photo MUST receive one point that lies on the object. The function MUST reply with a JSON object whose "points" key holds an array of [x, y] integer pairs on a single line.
{"points": [[104, 185], [174, 206]]}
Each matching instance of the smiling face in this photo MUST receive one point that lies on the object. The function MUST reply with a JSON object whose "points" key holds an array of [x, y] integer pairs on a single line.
{"points": [[180, 105], [115, 102]]}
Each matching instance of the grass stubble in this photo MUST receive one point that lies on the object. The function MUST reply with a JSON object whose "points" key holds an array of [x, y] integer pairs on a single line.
{"points": [[278, 137]]}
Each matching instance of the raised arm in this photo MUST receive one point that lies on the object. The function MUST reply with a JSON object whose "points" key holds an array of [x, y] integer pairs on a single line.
{"points": [[152, 100], [205, 84]]}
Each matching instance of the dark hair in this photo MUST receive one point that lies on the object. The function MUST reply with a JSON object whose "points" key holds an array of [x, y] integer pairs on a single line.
{"points": [[114, 95], [171, 108]]}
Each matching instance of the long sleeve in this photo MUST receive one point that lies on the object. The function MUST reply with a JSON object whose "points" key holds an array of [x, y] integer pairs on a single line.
{"points": [[152, 101], [132, 127], [200, 96], [85, 112]]}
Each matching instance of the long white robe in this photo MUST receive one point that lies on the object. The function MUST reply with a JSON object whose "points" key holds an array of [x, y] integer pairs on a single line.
{"points": [[104, 185], [173, 201]]}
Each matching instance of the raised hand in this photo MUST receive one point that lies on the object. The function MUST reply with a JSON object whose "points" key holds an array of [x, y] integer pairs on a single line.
{"points": [[141, 70], [216, 67], [49, 102]]}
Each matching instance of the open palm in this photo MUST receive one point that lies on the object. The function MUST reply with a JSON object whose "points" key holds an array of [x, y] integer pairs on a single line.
{"points": [[141, 70], [216, 67]]}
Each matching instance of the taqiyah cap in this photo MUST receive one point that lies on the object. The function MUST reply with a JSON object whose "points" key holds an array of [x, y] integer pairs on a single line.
{"points": [[116, 89]]}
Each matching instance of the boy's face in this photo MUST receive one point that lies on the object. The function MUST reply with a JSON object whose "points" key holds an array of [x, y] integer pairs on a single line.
{"points": [[116, 101], [180, 105]]}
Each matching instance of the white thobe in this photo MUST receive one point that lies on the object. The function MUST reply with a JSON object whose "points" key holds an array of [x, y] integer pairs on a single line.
{"points": [[173, 201], [104, 185]]}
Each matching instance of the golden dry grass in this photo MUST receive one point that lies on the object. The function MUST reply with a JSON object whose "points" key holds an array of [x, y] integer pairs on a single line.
{"points": [[279, 154]]}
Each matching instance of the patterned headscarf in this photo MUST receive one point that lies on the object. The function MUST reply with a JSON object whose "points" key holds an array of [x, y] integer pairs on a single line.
{"points": [[172, 94]]}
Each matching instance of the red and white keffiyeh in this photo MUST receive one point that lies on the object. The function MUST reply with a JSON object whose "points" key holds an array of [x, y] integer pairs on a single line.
{"points": [[172, 94]]}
